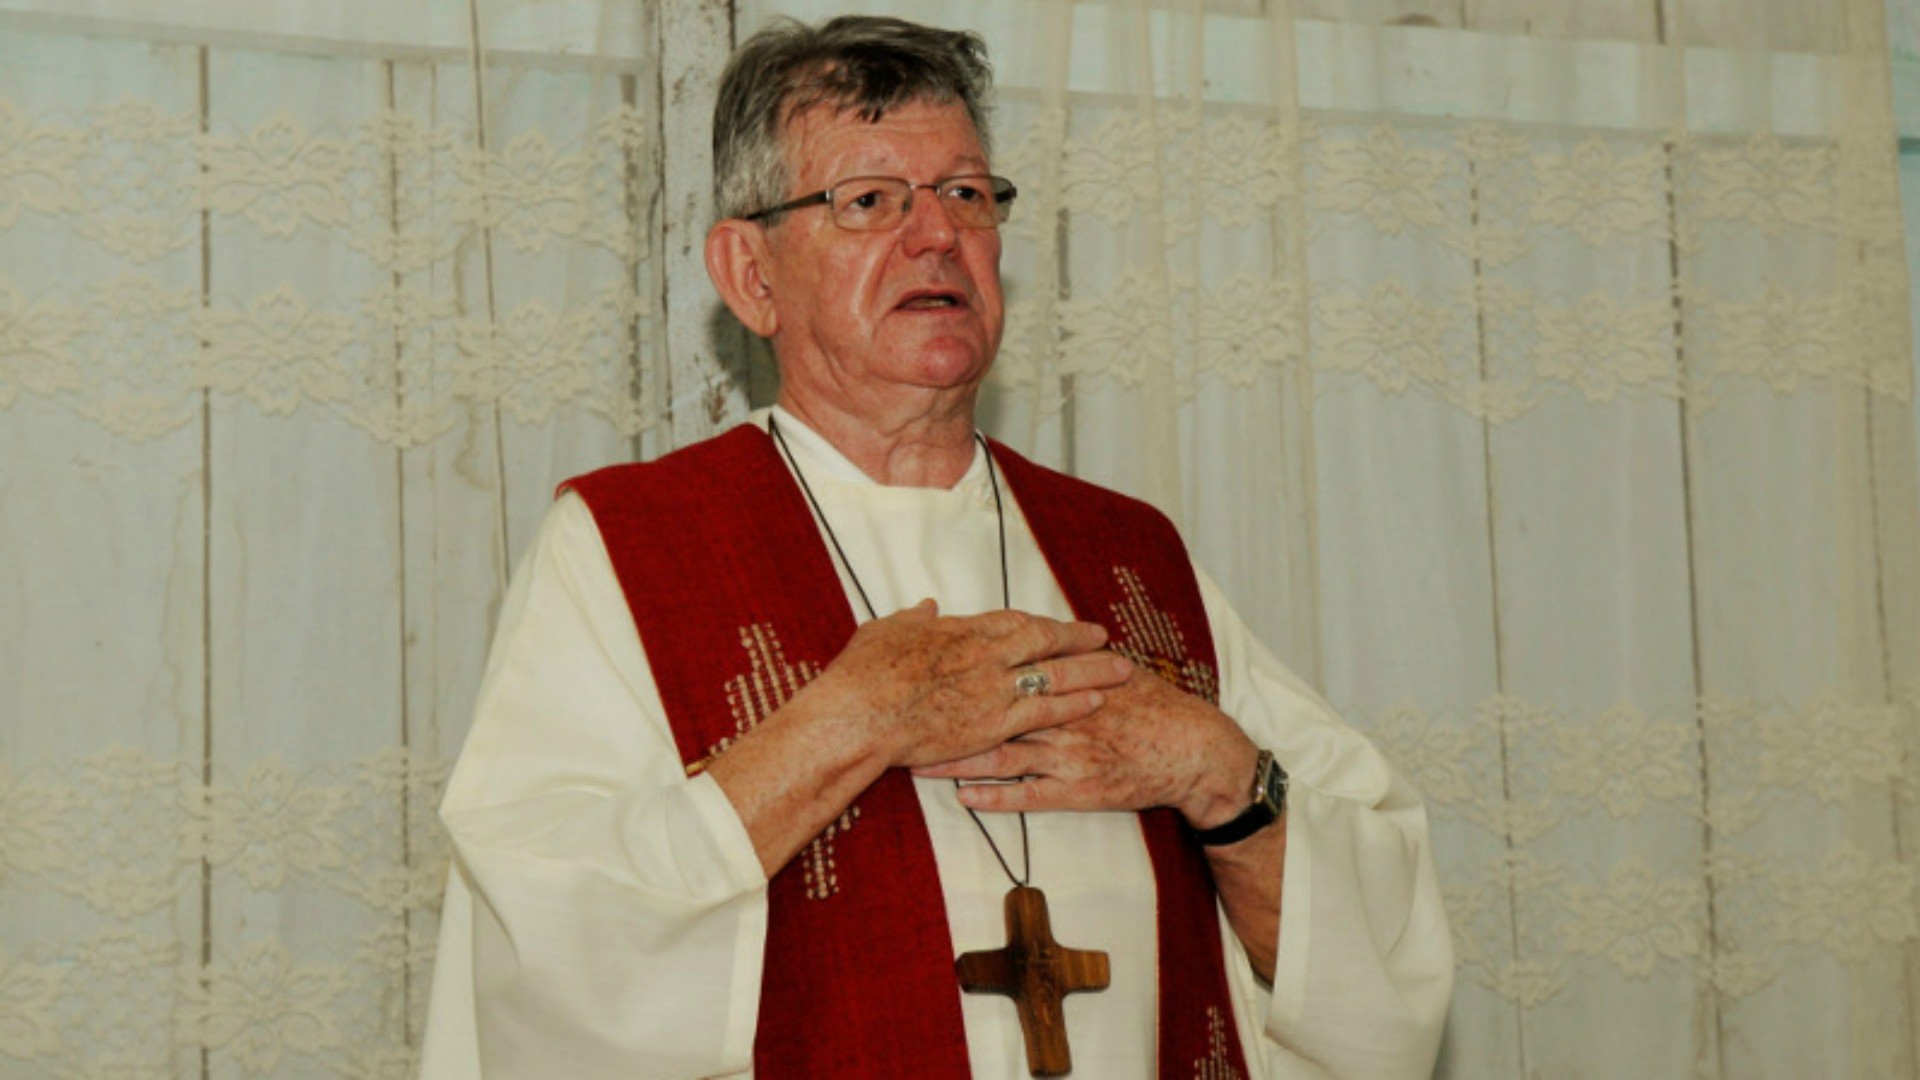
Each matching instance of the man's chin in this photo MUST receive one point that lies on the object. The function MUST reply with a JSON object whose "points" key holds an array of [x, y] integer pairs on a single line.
{"points": [[942, 359], [951, 370]]}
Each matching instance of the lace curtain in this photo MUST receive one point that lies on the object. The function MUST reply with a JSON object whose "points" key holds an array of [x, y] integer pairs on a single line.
{"points": [[302, 315], [1535, 375]]}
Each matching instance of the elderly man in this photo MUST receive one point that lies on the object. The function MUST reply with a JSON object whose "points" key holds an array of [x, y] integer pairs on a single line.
{"points": [[848, 745]]}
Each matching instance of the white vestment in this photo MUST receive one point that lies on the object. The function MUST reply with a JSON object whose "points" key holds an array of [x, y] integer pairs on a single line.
{"points": [[606, 915]]}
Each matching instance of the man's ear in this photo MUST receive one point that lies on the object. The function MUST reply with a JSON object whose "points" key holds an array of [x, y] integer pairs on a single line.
{"points": [[737, 259]]}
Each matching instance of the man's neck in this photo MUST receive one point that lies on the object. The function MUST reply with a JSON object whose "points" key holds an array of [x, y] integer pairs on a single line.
{"points": [[918, 447]]}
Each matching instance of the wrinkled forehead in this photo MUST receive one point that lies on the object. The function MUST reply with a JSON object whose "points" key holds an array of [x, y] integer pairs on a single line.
{"points": [[917, 139]]}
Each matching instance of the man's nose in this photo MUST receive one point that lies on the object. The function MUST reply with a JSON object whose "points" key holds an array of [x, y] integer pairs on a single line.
{"points": [[927, 226]]}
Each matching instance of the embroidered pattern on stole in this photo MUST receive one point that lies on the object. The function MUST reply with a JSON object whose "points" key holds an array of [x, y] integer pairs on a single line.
{"points": [[769, 683], [1218, 1064], [1152, 639]]}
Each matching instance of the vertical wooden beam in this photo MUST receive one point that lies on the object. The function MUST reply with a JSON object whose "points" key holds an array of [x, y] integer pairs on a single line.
{"points": [[204, 108], [706, 353]]}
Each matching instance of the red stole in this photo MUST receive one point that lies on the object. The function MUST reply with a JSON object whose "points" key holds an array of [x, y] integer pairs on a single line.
{"points": [[738, 606]]}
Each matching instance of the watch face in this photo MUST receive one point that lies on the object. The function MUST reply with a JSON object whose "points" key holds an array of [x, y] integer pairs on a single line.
{"points": [[1276, 786]]}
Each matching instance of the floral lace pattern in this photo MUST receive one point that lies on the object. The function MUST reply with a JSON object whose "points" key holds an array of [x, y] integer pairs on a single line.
{"points": [[134, 350], [128, 835], [405, 365], [1474, 207], [123, 837], [1738, 911]]}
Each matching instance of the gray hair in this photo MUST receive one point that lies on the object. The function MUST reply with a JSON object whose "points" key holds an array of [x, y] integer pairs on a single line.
{"points": [[860, 64]]}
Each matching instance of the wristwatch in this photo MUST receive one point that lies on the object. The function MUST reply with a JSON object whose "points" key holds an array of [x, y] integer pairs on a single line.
{"points": [[1269, 802]]}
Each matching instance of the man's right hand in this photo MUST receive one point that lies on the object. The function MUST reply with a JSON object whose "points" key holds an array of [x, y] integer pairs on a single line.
{"points": [[926, 688], [915, 688]]}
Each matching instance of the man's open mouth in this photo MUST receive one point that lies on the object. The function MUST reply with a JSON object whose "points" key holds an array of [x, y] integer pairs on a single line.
{"points": [[931, 302]]}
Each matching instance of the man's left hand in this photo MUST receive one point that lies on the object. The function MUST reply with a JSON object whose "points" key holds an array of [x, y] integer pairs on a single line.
{"points": [[1149, 744]]}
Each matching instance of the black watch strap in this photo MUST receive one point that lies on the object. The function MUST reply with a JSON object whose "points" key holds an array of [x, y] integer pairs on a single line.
{"points": [[1269, 802]]}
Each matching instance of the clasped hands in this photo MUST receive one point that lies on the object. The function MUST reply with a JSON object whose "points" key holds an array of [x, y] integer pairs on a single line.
{"points": [[937, 695]]}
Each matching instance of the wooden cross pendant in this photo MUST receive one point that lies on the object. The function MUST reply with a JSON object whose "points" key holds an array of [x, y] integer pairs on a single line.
{"points": [[1036, 972]]}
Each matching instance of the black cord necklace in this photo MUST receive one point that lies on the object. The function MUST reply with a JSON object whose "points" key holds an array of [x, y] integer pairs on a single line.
{"points": [[1006, 601]]}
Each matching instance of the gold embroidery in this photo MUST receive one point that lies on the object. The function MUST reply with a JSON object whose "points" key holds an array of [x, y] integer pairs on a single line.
{"points": [[1217, 1065], [770, 682], [817, 862], [1149, 637]]}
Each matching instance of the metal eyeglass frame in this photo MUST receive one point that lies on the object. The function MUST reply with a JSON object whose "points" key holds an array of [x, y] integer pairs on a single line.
{"points": [[999, 187]]}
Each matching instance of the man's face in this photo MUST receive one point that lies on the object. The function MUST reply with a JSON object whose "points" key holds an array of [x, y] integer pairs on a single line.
{"points": [[862, 313]]}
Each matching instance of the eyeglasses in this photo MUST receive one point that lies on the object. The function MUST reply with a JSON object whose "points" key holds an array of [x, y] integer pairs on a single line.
{"points": [[879, 203]]}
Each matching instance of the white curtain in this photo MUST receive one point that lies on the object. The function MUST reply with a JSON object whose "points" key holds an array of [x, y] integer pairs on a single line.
{"points": [[302, 314], [1535, 374]]}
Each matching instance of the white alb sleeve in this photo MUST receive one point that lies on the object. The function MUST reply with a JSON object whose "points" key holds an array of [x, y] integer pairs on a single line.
{"points": [[1365, 965], [606, 915]]}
